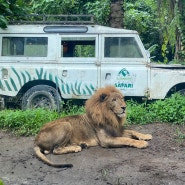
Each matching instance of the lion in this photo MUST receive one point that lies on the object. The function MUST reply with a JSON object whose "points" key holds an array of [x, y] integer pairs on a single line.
{"points": [[101, 124]]}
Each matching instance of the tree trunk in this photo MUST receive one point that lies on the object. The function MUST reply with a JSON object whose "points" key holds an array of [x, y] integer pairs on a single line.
{"points": [[180, 33], [116, 14], [182, 26]]}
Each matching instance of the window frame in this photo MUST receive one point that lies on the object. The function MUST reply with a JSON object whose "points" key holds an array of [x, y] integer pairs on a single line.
{"points": [[25, 38], [64, 38], [119, 59]]}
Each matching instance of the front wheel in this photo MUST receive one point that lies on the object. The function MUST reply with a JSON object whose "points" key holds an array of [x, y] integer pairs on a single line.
{"points": [[41, 96], [182, 92]]}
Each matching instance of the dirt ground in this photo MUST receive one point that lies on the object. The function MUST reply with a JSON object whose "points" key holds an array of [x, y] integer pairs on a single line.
{"points": [[163, 162]]}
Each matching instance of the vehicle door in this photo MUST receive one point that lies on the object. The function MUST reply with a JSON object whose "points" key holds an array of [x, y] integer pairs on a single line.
{"points": [[78, 72], [123, 64]]}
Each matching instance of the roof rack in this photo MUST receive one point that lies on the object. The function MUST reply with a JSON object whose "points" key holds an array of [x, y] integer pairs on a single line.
{"points": [[51, 19]]}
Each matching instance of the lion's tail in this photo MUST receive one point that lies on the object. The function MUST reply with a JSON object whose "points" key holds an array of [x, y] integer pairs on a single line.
{"points": [[41, 156]]}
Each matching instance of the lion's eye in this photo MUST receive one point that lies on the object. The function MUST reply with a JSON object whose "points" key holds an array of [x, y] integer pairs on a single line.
{"points": [[114, 99]]}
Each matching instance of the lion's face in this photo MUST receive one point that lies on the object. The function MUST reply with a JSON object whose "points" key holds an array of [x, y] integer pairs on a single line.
{"points": [[107, 106], [117, 104]]}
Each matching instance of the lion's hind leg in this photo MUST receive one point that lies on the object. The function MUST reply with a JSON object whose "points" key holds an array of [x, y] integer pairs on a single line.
{"points": [[137, 135], [67, 149]]}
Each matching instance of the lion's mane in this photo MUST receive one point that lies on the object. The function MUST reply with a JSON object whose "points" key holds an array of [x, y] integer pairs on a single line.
{"points": [[98, 110]]}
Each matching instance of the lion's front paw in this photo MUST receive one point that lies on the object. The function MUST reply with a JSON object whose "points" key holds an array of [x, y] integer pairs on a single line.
{"points": [[142, 144], [77, 149], [147, 137], [144, 137]]}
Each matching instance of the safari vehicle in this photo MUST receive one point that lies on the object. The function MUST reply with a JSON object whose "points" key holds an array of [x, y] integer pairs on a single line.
{"points": [[68, 57]]}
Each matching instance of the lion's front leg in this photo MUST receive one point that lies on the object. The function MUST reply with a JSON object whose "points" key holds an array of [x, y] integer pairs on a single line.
{"points": [[137, 135], [115, 142]]}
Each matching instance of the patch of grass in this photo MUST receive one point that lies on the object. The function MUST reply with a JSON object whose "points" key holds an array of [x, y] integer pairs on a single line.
{"points": [[26, 123], [137, 113], [72, 108], [29, 122], [169, 110]]}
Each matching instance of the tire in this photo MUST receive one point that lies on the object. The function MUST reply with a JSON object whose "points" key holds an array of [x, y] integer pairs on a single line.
{"points": [[182, 92], [41, 96]]}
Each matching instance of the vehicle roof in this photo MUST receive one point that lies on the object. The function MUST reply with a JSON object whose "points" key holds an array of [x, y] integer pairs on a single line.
{"points": [[91, 29]]}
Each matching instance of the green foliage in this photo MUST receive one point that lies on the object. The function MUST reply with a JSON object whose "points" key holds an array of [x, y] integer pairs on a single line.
{"points": [[26, 123], [181, 30], [1, 182], [170, 110], [3, 22], [140, 15], [159, 23], [29, 122], [136, 112], [55, 6], [72, 108], [10, 9], [169, 23], [100, 9]]}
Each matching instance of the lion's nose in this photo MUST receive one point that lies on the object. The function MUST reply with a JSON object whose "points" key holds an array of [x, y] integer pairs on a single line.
{"points": [[124, 107]]}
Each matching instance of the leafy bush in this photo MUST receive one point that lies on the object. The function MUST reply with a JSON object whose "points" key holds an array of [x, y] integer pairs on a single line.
{"points": [[72, 108], [25, 122], [136, 112], [171, 110], [29, 122]]}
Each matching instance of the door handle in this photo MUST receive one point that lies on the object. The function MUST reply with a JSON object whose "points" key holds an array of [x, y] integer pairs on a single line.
{"points": [[107, 76], [64, 73]]}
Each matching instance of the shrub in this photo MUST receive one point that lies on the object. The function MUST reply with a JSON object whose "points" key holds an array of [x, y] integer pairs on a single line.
{"points": [[171, 110], [25, 122]]}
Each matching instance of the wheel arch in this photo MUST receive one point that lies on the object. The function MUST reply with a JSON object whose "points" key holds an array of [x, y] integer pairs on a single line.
{"points": [[176, 88], [33, 83]]}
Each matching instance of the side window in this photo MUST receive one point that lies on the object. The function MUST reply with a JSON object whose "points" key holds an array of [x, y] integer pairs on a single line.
{"points": [[78, 47], [25, 46], [121, 47]]}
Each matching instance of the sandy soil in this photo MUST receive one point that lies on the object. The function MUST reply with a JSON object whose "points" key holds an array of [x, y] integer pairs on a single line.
{"points": [[162, 163]]}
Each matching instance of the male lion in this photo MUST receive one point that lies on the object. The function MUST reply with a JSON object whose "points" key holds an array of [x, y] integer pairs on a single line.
{"points": [[102, 124]]}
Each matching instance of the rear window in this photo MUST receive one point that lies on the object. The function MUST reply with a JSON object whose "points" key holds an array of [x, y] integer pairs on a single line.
{"points": [[25, 46], [121, 47]]}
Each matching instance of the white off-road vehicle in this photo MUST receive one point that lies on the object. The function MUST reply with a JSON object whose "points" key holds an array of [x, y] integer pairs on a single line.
{"points": [[68, 57]]}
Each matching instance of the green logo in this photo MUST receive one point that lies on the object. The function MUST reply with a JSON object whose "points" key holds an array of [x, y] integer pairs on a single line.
{"points": [[123, 72], [125, 80]]}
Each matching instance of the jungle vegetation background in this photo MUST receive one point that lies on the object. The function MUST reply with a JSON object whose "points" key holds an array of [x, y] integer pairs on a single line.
{"points": [[160, 23]]}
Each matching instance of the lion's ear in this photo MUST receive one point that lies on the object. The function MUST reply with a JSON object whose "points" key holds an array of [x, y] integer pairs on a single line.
{"points": [[102, 97]]}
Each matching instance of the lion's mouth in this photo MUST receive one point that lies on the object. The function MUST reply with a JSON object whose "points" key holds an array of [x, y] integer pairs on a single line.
{"points": [[122, 114]]}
